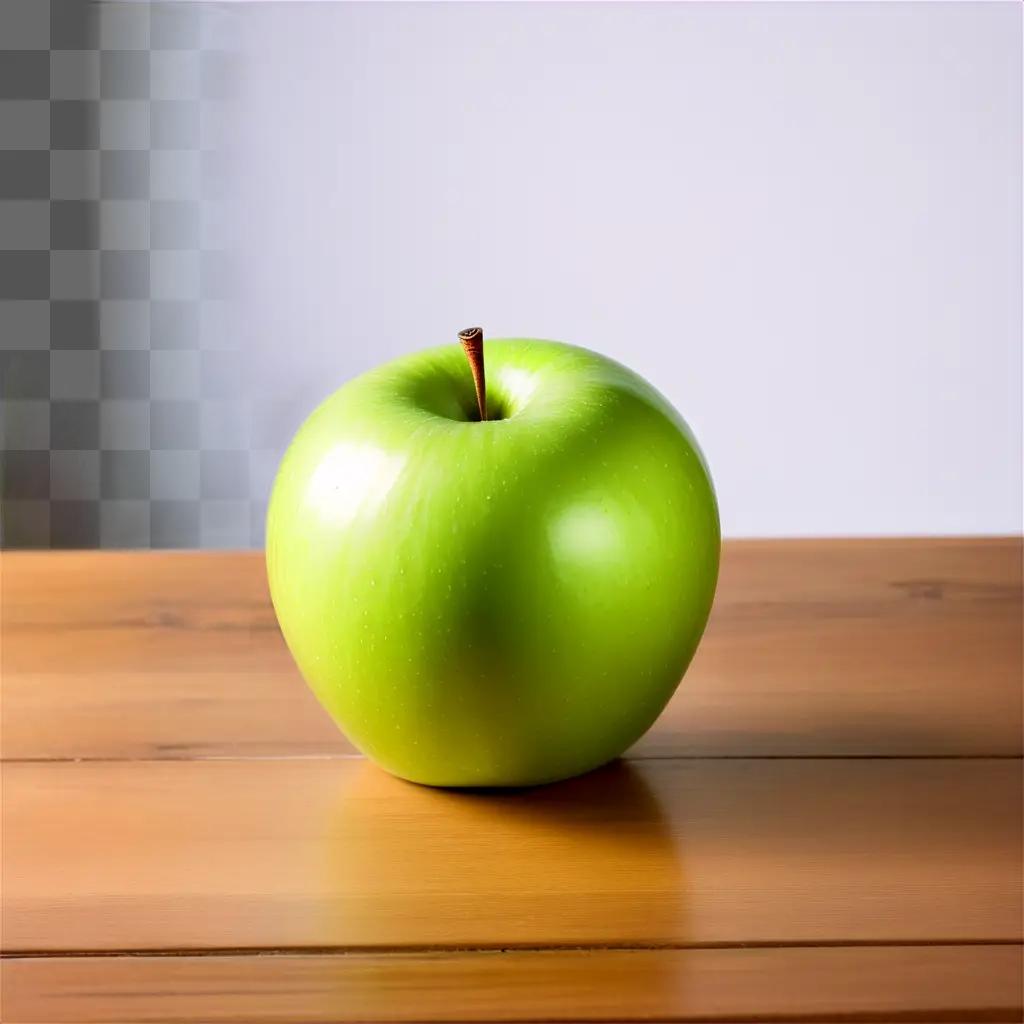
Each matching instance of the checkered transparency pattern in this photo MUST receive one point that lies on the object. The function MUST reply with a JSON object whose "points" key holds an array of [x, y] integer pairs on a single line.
{"points": [[126, 421]]}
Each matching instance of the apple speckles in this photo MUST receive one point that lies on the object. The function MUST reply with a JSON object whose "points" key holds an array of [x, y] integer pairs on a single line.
{"points": [[471, 495]]}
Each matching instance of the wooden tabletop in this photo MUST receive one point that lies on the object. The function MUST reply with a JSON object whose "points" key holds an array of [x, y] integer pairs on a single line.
{"points": [[824, 825]]}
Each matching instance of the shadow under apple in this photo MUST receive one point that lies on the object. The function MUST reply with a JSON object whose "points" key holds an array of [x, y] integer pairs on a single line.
{"points": [[590, 860]]}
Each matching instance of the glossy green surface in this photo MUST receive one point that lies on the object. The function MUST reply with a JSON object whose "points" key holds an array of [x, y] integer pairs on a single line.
{"points": [[498, 603]]}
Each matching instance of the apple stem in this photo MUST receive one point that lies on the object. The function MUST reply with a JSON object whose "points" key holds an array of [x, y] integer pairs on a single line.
{"points": [[472, 339]]}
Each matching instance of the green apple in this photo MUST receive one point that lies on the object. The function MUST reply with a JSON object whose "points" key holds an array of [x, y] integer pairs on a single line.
{"points": [[496, 602]]}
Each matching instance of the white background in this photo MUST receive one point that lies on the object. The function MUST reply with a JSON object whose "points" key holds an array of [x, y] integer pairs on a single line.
{"points": [[802, 222]]}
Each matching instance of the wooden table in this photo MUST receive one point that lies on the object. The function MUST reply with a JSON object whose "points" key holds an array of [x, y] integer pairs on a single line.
{"points": [[825, 824]]}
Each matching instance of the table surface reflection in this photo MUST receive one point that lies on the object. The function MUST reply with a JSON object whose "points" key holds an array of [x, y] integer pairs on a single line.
{"points": [[825, 823]]}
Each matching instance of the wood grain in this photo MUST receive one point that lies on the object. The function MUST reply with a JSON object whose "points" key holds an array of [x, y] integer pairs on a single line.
{"points": [[221, 831], [888, 984], [815, 648], [293, 854]]}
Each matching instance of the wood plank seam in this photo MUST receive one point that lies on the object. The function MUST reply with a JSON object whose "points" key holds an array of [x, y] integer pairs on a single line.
{"points": [[414, 949]]}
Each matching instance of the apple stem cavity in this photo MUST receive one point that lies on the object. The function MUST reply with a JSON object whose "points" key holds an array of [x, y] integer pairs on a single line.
{"points": [[472, 339]]}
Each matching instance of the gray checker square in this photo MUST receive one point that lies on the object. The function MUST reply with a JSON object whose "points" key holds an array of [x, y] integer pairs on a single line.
{"points": [[125, 275], [24, 124], [75, 425], [25, 24], [74, 24], [175, 174], [24, 174], [124, 224], [74, 324], [174, 325], [72, 175], [174, 524], [124, 524], [24, 374], [24, 74], [124, 425], [74, 124], [74, 75], [124, 324], [174, 425], [124, 74], [124, 124], [124, 175], [224, 425], [24, 224], [174, 375], [175, 74], [176, 275], [24, 326], [174, 124], [124, 25], [75, 475], [24, 275], [25, 524], [125, 374], [124, 475], [175, 224], [174, 475], [74, 524], [224, 524], [175, 26], [74, 224], [224, 475], [74, 275], [25, 424], [26, 475], [75, 375]]}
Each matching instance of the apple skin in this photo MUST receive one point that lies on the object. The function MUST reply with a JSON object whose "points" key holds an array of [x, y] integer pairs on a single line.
{"points": [[498, 603]]}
